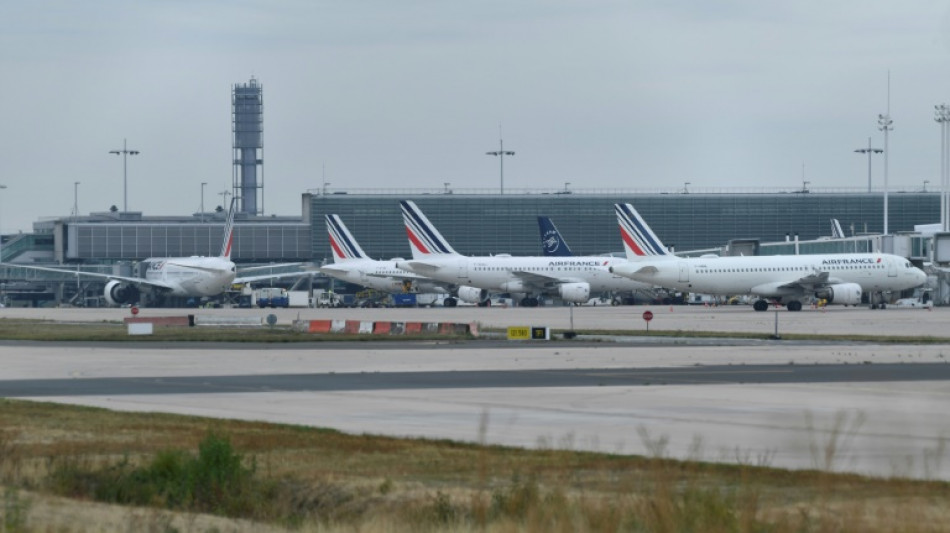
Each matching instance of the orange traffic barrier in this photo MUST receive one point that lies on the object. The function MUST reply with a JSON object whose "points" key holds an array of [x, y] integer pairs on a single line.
{"points": [[320, 326]]}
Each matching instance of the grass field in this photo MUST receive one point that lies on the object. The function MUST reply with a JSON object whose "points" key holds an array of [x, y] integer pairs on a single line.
{"points": [[64, 468]]}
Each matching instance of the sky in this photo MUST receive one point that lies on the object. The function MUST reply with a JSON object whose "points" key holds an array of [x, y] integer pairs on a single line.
{"points": [[605, 96]]}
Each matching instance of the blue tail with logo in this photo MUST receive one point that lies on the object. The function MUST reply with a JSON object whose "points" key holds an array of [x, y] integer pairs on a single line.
{"points": [[552, 244]]}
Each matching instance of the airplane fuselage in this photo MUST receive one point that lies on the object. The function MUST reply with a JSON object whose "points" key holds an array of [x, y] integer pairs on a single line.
{"points": [[191, 276], [776, 275], [524, 274], [380, 275]]}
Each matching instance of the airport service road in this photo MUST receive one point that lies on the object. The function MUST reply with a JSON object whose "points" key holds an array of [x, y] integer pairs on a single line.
{"points": [[779, 404], [833, 320]]}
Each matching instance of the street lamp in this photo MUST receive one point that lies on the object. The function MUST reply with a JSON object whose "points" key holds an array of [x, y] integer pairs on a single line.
{"points": [[203, 183], [501, 153], [125, 182], [885, 124], [1, 233], [925, 185], [870, 151], [686, 185], [447, 190], [942, 117], [75, 199]]}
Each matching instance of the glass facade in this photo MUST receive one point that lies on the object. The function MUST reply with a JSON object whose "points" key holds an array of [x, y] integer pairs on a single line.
{"points": [[484, 224]]}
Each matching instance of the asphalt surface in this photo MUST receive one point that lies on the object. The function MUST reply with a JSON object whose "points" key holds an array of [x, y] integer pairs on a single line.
{"points": [[484, 379]]}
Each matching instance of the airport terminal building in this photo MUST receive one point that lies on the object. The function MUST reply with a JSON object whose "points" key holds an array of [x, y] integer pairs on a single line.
{"points": [[475, 223]]}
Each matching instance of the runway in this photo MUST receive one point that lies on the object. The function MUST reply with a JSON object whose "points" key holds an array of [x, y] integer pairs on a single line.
{"points": [[877, 409]]}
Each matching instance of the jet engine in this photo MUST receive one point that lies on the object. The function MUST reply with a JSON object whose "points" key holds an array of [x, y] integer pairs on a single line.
{"points": [[842, 293], [574, 292], [472, 295], [118, 293]]}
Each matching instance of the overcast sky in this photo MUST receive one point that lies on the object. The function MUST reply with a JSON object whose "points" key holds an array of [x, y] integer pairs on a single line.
{"points": [[637, 95]]}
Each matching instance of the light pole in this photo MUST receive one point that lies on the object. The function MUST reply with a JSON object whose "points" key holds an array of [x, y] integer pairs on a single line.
{"points": [[203, 183], [885, 124], [501, 153], [125, 181], [870, 151], [75, 199], [686, 185], [942, 117], [925, 185], [1, 233], [447, 190]]}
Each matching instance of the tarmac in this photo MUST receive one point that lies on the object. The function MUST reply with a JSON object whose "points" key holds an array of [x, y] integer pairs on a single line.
{"points": [[746, 402]]}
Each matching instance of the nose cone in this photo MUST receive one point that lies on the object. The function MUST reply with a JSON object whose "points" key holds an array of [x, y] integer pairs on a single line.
{"points": [[921, 276]]}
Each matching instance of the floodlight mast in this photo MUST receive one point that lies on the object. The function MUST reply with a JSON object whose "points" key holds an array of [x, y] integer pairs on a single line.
{"points": [[942, 117], [870, 151], [501, 153], [125, 172]]}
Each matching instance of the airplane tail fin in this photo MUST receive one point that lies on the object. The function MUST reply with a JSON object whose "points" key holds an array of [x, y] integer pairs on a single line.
{"points": [[228, 232], [424, 239], [552, 244], [345, 247], [639, 241], [836, 231]]}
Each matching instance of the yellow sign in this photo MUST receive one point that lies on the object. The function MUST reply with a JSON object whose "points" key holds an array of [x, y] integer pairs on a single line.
{"points": [[524, 333], [519, 333]]}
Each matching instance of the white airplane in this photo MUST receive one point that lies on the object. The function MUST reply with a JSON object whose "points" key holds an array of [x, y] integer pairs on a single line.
{"points": [[195, 276], [571, 278], [837, 278], [351, 264]]}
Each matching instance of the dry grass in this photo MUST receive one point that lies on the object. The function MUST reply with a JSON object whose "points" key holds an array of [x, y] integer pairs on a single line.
{"points": [[330, 481], [37, 330]]}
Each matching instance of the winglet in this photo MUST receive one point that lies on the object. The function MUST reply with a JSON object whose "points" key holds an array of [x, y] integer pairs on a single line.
{"points": [[424, 239], [552, 244], [345, 247], [639, 241], [228, 232]]}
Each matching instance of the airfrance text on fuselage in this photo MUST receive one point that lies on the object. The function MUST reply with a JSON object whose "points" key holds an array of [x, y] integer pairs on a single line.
{"points": [[863, 261]]}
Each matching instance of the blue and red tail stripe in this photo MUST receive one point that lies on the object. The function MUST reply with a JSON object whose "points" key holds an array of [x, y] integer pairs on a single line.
{"points": [[636, 234], [421, 233], [341, 241]]}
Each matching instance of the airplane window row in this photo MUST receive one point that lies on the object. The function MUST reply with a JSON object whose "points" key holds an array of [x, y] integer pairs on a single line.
{"points": [[788, 269]]}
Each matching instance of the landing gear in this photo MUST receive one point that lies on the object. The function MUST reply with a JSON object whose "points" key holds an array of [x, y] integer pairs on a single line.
{"points": [[760, 305], [794, 305], [529, 301], [449, 302], [877, 302]]}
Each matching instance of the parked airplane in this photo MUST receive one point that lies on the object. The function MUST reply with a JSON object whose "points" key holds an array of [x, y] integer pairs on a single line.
{"points": [[195, 276], [837, 278], [571, 278], [552, 244], [351, 264]]}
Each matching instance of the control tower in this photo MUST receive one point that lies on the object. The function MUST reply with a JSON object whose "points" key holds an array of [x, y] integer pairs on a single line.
{"points": [[247, 118]]}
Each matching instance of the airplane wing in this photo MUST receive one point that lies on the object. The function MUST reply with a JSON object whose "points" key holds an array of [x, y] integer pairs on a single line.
{"points": [[421, 265], [809, 282], [134, 281], [540, 280], [264, 277]]}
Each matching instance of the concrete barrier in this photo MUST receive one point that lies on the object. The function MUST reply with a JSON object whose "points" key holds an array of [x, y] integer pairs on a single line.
{"points": [[365, 327], [228, 320], [159, 320]]}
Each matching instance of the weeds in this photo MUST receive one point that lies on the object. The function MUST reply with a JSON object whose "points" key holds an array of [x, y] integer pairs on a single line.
{"points": [[310, 479]]}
